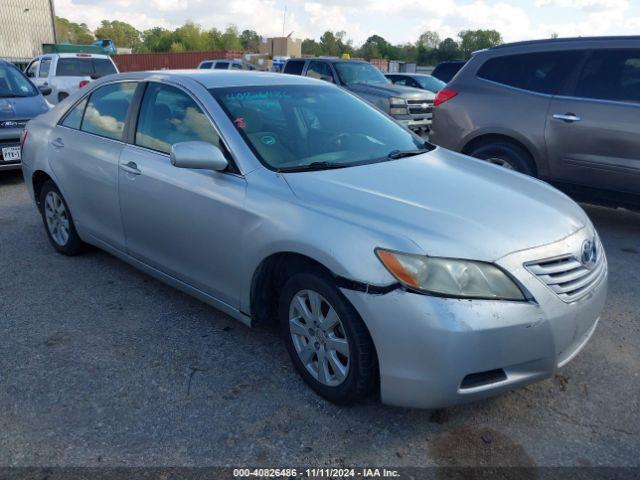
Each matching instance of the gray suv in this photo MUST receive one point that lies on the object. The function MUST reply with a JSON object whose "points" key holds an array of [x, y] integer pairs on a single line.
{"points": [[564, 110], [411, 107]]}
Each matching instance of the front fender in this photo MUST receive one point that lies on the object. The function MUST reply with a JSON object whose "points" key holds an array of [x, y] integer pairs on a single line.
{"points": [[281, 224]]}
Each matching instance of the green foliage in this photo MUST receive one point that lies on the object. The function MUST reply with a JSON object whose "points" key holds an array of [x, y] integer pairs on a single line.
{"points": [[123, 34], [428, 49], [472, 40], [76, 33]]}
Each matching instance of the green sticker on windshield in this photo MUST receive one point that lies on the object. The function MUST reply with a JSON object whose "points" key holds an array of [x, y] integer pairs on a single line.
{"points": [[268, 140]]}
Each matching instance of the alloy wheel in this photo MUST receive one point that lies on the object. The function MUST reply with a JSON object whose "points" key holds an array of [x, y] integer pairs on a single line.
{"points": [[57, 218], [501, 162], [319, 338]]}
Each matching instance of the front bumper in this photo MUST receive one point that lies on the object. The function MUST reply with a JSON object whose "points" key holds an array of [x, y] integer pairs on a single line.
{"points": [[429, 348], [420, 124]]}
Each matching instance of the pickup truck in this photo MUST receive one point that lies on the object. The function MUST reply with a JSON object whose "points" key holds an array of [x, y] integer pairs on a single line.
{"points": [[411, 107], [64, 73]]}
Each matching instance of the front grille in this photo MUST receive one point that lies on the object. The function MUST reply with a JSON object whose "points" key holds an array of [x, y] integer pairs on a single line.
{"points": [[568, 277], [420, 107]]}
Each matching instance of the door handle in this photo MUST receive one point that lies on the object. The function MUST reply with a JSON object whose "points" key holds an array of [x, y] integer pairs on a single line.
{"points": [[57, 143], [130, 167], [567, 117]]}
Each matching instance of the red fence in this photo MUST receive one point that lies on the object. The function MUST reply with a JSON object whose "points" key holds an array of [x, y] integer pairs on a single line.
{"points": [[171, 60]]}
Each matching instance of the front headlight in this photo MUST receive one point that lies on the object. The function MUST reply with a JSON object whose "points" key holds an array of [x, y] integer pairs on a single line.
{"points": [[397, 106], [450, 277]]}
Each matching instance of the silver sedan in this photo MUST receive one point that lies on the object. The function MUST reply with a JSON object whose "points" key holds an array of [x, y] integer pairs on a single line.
{"points": [[388, 264]]}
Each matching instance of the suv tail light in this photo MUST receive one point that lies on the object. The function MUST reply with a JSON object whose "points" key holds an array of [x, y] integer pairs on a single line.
{"points": [[443, 96], [83, 83]]}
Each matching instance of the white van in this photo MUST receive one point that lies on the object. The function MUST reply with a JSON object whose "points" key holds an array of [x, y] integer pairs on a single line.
{"points": [[65, 73]]}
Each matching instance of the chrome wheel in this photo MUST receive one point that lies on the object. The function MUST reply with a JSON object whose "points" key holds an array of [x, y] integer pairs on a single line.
{"points": [[501, 162], [319, 338], [57, 218]]}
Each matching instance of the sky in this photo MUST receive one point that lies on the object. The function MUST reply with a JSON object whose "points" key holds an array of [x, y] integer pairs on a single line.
{"points": [[398, 21]]}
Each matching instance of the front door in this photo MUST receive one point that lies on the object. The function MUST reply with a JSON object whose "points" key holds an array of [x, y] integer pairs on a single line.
{"points": [[592, 134], [85, 150], [184, 222]]}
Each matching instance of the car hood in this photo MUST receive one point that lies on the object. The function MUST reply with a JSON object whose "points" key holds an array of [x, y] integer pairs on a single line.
{"points": [[446, 203], [22, 108], [390, 90]]}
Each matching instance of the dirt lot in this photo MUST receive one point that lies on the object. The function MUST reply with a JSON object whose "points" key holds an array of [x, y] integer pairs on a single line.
{"points": [[102, 365]]}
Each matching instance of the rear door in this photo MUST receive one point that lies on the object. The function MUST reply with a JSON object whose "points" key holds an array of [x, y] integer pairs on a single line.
{"points": [[84, 151], [592, 132]]}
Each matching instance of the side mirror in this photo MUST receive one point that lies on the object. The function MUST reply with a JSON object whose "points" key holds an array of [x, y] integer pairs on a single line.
{"points": [[44, 90], [201, 155]]}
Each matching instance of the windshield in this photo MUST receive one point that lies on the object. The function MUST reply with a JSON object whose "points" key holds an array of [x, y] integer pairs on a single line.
{"points": [[14, 84], [431, 83], [292, 127], [359, 72]]}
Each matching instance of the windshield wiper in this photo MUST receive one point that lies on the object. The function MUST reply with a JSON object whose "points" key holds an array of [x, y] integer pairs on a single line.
{"points": [[313, 166], [396, 154]]}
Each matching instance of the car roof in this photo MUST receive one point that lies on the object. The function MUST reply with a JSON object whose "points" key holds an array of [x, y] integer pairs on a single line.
{"points": [[410, 74], [568, 40], [222, 78], [329, 59]]}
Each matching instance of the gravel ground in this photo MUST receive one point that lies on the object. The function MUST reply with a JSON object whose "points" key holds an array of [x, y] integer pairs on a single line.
{"points": [[100, 365]]}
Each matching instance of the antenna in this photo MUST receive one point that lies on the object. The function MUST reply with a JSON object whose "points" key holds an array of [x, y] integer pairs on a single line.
{"points": [[284, 19]]}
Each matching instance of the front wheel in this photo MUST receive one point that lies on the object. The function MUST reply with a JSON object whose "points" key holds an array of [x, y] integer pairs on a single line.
{"points": [[507, 155], [328, 342], [58, 222]]}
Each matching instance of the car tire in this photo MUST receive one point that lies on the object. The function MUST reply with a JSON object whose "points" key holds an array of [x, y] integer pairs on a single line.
{"points": [[505, 154], [339, 378], [58, 222]]}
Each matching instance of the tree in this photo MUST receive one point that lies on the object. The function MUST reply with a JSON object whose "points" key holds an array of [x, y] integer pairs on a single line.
{"points": [[250, 40], [191, 37], [429, 40], [448, 50], [230, 39], [473, 40], [156, 40], [123, 34], [76, 33], [310, 47]]}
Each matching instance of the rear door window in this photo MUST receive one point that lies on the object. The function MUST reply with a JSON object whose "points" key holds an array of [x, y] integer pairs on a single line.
{"points": [[221, 66], [294, 67], [543, 72], [106, 112], [102, 67], [169, 116], [611, 75], [74, 117]]}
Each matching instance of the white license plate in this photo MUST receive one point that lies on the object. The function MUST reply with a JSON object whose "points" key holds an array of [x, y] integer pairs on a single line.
{"points": [[11, 154]]}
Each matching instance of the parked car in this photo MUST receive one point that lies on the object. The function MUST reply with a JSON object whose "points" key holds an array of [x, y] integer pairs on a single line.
{"points": [[385, 260], [227, 64], [564, 110], [417, 80], [64, 73], [20, 101], [445, 71], [410, 107]]}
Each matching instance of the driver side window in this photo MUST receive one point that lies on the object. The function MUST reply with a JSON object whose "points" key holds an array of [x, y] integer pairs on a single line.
{"points": [[168, 116], [32, 69]]}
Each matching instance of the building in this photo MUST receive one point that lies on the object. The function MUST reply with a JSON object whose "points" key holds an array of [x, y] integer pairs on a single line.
{"points": [[24, 26]]}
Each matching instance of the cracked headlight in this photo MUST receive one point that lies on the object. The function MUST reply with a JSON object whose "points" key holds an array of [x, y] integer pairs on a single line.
{"points": [[450, 277]]}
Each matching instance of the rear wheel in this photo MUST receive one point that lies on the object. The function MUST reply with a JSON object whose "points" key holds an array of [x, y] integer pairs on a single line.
{"points": [[58, 222], [507, 155], [326, 339]]}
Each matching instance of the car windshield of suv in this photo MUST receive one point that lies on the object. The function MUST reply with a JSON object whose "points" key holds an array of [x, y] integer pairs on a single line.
{"points": [[352, 73], [303, 127], [14, 84], [430, 83]]}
